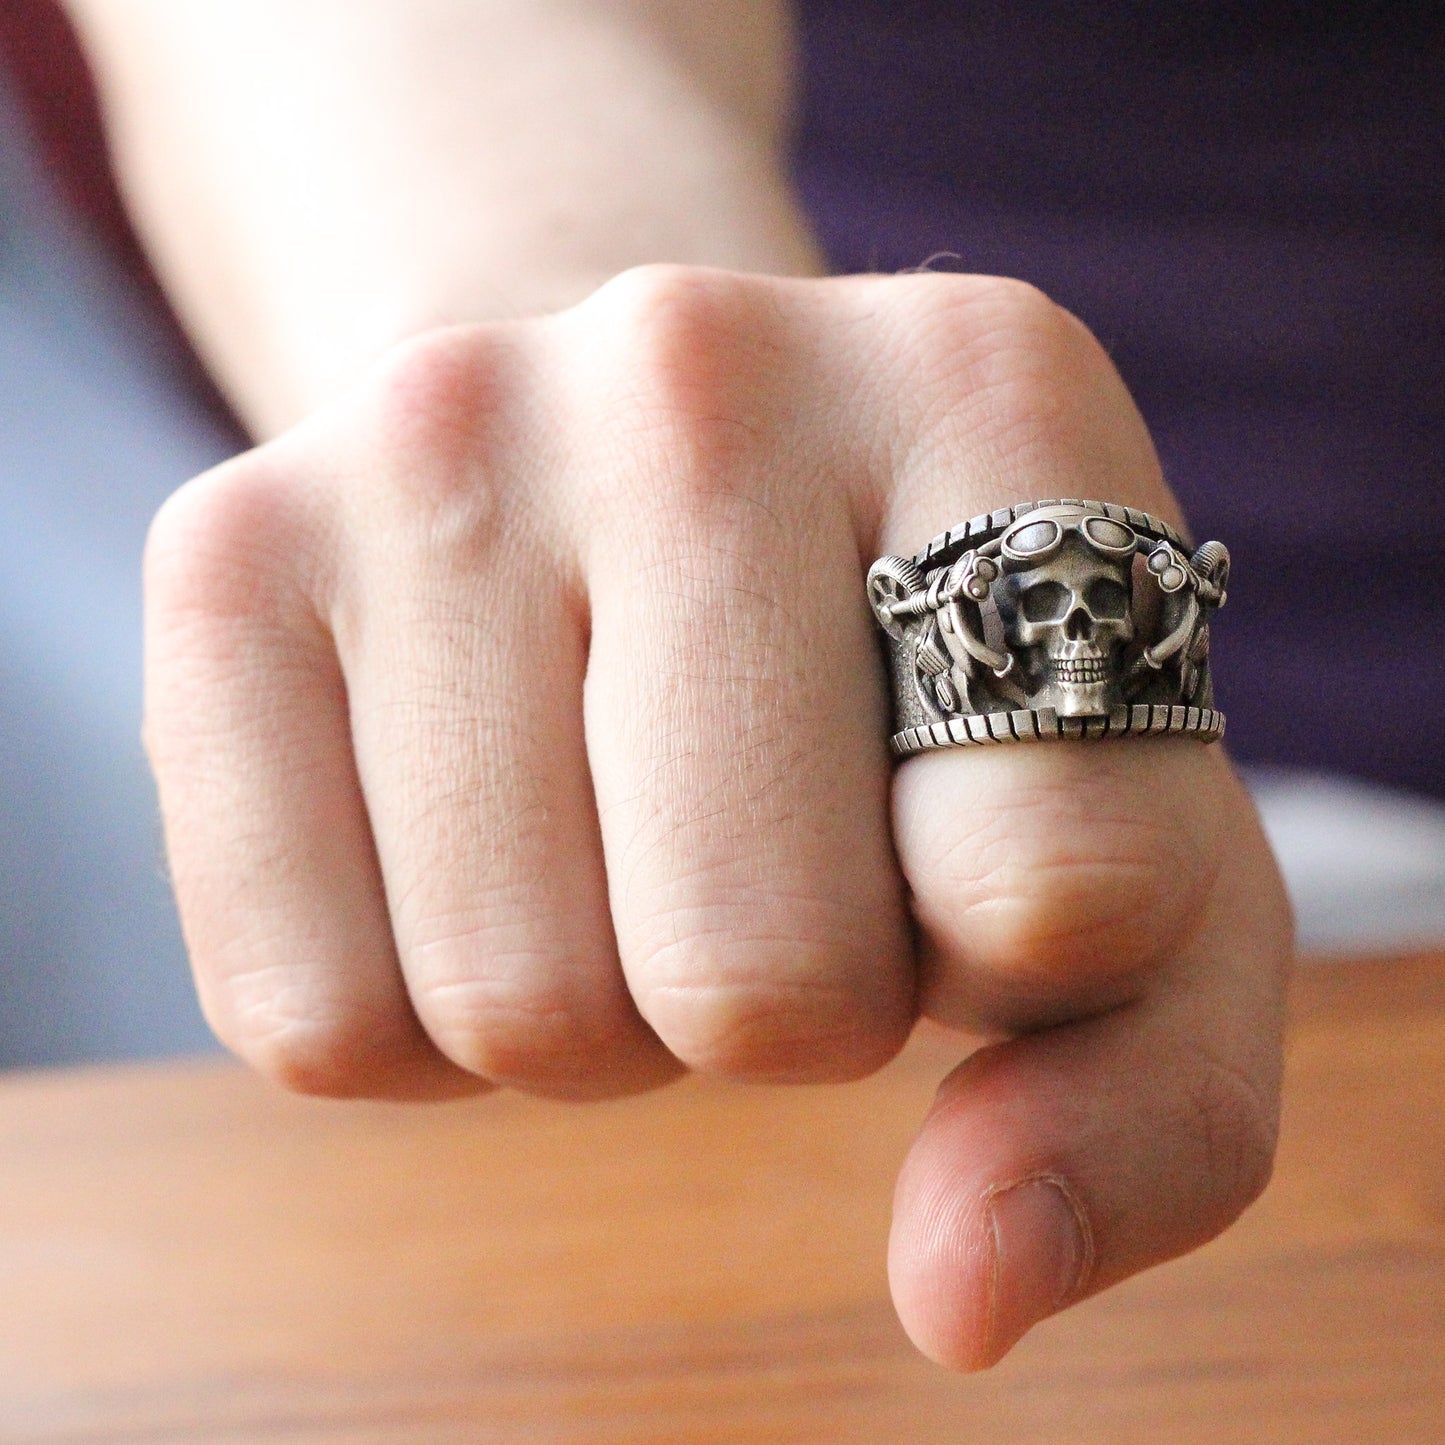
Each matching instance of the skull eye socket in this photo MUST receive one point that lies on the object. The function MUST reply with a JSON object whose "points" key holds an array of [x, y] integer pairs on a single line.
{"points": [[1032, 539], [1045, 602], [1107, 599], [1108, 535]]}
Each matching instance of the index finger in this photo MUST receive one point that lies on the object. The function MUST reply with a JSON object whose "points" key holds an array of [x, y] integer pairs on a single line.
{"points": [[1054, 880]]}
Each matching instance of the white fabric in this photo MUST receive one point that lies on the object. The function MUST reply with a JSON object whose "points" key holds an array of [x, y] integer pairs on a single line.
{"points": [[1365, 866]]}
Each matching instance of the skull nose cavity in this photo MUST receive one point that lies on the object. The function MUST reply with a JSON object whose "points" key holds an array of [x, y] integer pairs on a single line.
{"points": [[1079, 626]]}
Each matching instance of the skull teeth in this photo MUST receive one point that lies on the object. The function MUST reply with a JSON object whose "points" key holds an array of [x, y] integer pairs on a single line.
{"points": [[1081, 669]]}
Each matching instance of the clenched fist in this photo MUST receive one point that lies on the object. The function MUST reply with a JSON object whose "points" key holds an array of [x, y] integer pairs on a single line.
{"points": [[520, 719]]}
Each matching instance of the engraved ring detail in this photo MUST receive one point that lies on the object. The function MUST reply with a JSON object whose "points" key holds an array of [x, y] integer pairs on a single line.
{"points": [[1049, 620]]}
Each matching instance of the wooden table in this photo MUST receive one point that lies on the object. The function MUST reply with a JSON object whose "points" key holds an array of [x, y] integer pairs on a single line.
{"points": [[189, 1256]]}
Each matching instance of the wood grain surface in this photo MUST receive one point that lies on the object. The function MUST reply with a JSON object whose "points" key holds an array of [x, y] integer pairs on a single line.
{"points": [[187, 1255]]}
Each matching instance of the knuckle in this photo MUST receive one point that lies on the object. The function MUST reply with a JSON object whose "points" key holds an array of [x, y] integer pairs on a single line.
{"points": [[977, 328], [679, 380], [775, 1009], [287, 1032], [995, 365], [428, 489], [992, 318], [427, 394], [672, 312], [510, 1033], [1236, 1128], [436, 447], [1055, 887], [234, 576], [510, 1011], [1011, 305], [220, 545]]}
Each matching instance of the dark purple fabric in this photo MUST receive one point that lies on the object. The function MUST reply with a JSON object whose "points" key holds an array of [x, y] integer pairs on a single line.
{"points": [[1246, 203]]}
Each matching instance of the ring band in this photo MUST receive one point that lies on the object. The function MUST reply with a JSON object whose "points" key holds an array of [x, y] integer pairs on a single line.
{"points": [[1051, 620]]}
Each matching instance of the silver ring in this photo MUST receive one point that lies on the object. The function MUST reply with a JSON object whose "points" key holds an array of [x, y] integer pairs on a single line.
{"points": [[1048, 620]]}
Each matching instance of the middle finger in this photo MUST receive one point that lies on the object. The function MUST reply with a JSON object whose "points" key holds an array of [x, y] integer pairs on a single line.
{"points": [[744, 812]]}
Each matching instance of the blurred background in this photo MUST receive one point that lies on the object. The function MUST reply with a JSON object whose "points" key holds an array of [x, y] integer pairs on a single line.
{"points": [[1246, 204], [102, 414]]}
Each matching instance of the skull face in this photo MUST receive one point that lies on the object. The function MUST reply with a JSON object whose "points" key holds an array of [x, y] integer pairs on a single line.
{"points": [[1066, 602]]}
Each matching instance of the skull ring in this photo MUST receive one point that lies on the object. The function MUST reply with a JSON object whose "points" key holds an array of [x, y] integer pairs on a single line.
{"points": [[1061, 619]]}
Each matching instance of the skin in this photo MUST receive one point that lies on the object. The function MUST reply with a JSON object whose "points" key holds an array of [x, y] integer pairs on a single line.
{"points": [[517, 712]]}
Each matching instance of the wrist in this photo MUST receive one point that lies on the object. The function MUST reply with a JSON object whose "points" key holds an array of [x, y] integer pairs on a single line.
{"points": [[535, 261], [314, 191]]}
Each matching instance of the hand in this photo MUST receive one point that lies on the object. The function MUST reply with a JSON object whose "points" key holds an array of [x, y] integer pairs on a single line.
{"points": [[520, 720]]}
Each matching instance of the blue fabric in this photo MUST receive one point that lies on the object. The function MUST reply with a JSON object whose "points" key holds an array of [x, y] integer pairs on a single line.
{"points": [[96, 428]]}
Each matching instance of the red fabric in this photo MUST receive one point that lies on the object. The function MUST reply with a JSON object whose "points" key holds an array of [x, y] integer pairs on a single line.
{"points": [[42, 56], [49, 73]]}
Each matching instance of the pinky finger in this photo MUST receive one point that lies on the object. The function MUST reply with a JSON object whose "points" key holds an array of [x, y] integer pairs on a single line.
{"points": [[270, 847]]}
